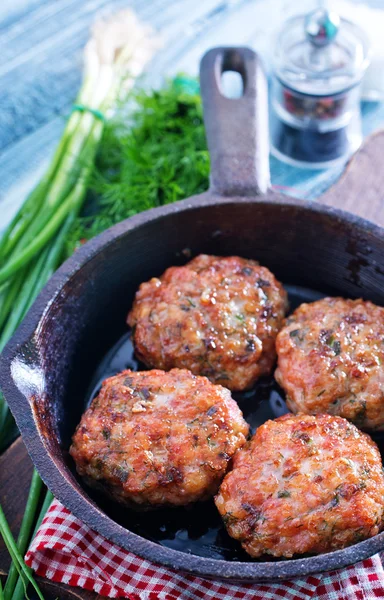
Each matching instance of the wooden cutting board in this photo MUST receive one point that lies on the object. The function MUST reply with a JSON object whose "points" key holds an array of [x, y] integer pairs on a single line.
{"points": [[360, 190]]}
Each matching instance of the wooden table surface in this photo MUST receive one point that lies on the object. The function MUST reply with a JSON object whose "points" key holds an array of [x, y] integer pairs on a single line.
{"points": [[360, 190]]}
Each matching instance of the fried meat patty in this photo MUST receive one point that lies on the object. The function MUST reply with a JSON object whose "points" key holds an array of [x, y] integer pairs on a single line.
{"points": [[152, 439], [331, 359], [303, 484], [215, 316]]}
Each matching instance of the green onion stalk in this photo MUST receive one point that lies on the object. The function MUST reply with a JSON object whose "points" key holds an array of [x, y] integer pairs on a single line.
{"points": [[33, 245]]}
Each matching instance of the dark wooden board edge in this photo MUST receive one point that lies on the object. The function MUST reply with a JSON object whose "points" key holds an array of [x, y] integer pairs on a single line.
{"points": [[15, 477], [360, 189]]}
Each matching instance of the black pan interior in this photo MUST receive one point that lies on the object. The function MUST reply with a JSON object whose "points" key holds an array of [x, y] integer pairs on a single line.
{"points": [[83, 336], [198, 529]]}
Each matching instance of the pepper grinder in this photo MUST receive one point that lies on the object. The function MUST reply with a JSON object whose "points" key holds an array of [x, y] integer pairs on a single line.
{"points": [[319, 63]]}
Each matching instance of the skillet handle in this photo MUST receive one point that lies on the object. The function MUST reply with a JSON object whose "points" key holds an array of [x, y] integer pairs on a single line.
{"points": [[236, 128]]}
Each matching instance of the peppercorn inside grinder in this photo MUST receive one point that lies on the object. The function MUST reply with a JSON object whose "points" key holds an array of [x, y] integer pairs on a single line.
{"points": [[319, 63]]}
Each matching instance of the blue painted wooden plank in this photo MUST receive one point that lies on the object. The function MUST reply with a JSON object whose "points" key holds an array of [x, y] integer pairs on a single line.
{"points": [[40, 55]]}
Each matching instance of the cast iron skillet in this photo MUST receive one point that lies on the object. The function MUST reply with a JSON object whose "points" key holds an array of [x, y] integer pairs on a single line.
{"points": [[64, 345]]}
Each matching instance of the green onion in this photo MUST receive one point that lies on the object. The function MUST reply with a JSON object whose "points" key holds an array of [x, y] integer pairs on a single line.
{"points": [[33, 244], [16, 557], [22, 219], [25, 530], [19, 589], [114, 56], [9, 297]]}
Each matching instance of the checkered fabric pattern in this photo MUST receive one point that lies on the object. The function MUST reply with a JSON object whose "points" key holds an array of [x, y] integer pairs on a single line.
{"points": [[67, 551]]}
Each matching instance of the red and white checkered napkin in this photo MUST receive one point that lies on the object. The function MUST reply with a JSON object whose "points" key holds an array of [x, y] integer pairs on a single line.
{"points": [[67, 551]]}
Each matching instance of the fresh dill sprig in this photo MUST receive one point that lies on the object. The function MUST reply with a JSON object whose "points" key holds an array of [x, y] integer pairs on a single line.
{"points": [[156, 157]]}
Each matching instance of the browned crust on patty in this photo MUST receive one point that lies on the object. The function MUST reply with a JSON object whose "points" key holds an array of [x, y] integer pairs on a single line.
{"points": [[157, 439], [303, 484], [331, 359], [216, 316]]}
